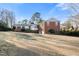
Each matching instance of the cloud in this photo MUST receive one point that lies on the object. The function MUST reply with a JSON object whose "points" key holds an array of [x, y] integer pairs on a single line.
{"points": [[63, 6], [73, 8], [52, 11]]}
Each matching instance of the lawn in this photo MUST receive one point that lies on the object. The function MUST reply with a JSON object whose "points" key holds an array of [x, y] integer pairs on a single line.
{"points": [[31, 44]]}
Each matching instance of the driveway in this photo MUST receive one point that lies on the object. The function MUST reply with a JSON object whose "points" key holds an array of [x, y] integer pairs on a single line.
{"points": [[31, 44]]}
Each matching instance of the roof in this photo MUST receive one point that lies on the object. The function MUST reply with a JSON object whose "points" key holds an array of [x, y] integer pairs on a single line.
{"points": [[21, 25], [52, 20]]}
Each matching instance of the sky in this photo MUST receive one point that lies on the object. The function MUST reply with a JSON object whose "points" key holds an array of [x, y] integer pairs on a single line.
{"points": [[47, 10]]}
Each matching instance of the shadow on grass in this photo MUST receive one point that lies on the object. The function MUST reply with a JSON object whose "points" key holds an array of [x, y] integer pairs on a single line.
{"points": [[24, 36], [7, 49]]}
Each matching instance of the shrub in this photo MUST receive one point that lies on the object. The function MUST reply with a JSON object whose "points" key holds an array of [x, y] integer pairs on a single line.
{"points": [[14, 27], [23, 29], [31, 31], [3, 27], [70, 33]]}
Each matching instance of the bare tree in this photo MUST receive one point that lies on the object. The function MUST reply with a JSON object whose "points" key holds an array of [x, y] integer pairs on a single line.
{"points": [[74, 14], [68, 24], [7, 17]]}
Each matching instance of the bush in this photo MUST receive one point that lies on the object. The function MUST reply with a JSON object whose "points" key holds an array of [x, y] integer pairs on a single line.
{"points": [[23, 29], [70, 33], [14, 27], [51, 31], [3, 27], [31, 31]]}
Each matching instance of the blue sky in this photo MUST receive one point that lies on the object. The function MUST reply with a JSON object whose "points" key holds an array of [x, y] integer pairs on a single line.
{"points": [[47, 10]]}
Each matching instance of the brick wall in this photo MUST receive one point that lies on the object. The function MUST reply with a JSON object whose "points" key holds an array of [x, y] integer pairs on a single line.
{"points": [[50, 25]]}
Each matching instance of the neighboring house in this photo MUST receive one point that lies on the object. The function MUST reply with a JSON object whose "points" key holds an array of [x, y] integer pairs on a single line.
{"points": [[50, 24], [26, 26], [18, 27], [21, 25], [34, 27]]}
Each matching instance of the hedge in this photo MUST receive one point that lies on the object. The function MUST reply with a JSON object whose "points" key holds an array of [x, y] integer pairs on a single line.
{"points": [[70, 33]]}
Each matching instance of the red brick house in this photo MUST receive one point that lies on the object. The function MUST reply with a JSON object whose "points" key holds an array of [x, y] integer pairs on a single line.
{"points": [[49, 24]]}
